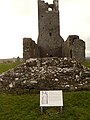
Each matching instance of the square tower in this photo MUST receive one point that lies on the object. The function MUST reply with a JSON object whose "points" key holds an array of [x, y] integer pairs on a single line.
{"points": [[49, 40]]}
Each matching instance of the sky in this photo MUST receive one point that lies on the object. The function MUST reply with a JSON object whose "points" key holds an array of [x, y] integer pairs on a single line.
{"points": [[19, 19]]}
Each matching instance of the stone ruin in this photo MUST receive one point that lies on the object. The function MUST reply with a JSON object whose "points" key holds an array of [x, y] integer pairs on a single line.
{"points": [[51, 73], [50, 43], [52, 63]]}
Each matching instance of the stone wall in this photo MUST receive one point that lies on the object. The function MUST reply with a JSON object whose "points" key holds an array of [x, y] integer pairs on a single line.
{"points": [[30, 49], [46, 74], [74, 48]]}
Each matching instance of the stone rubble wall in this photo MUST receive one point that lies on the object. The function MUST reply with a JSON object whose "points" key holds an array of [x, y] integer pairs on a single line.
{"points": [[46, 74], [30, 49], [74, 47]]}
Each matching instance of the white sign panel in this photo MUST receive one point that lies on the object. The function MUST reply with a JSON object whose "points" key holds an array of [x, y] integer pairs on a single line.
{"points": [[51, 98]]}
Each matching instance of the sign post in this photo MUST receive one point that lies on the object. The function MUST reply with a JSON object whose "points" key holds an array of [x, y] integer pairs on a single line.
{"points": [[51, 99]]}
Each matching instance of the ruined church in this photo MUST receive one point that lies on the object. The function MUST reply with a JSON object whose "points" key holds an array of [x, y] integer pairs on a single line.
{"points": [[49, 42]]}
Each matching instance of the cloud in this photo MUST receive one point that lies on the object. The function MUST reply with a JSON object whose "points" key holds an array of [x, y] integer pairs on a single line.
{"points": [[88, 53]]}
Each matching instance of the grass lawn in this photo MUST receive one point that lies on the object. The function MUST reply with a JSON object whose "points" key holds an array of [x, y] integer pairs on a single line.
{"points": [[6, 66], [87, 63], [26, 107]]}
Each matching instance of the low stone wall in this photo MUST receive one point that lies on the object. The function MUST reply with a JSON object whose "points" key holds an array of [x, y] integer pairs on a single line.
{"points": [[46, 74]]}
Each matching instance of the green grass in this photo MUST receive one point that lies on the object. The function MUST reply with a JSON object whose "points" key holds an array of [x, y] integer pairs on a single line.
{"points": [[6, 66], [87, 63], [26, 107]]}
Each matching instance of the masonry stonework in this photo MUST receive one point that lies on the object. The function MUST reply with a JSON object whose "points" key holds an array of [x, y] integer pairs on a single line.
{"points": [[50, 43], [74, 48], [49, 39], [30, 49]]}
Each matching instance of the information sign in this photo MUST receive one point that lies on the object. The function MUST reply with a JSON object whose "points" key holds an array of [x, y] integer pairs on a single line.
{"points": [[51, 98]]}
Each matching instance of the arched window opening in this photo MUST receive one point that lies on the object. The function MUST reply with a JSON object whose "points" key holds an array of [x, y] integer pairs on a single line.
{"points": [[49, 9]]}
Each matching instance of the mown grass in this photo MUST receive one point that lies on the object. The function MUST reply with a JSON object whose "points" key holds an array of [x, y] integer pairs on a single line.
{"points": [[6, 66], [26, 107], [87, 63]]}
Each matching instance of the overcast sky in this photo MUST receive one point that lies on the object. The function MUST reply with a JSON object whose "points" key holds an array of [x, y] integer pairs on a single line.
{"points": [[18, 19]]}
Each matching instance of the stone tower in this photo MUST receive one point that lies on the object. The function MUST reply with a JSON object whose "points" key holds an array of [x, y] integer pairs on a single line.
{"points": [[49, 40]]}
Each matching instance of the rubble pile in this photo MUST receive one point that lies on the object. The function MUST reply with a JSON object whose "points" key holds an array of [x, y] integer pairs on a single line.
{"points": [[46, 74]]}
